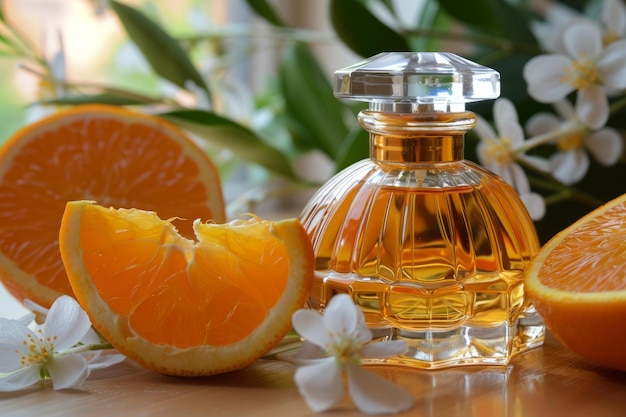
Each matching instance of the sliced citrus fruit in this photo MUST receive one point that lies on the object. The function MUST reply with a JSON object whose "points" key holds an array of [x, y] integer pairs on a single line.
{"points": [[180, 306], [104, 153], [577, 283]]}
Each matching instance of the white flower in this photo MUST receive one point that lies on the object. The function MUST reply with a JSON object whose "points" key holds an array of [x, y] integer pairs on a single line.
{"points": [[588, 68], [342, 334], [95, 358], [613, 18], [549, 30], [571, 162], [498, 152], [45, 352]]}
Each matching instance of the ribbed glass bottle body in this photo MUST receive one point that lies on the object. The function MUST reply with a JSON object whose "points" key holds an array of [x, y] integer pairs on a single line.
{"points": [[433, 251]]}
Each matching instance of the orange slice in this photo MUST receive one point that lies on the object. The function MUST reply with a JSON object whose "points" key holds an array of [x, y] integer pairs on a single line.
{"points": [[104, 153], [577, 283], [183, 307]]}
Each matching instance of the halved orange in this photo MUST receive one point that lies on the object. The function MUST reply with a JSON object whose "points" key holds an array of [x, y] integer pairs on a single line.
{"points": [[104, 153], [183, 307], [577, 283]]}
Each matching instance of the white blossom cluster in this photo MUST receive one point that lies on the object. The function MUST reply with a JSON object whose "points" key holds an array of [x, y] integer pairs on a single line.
{"points": [[587, 59]]}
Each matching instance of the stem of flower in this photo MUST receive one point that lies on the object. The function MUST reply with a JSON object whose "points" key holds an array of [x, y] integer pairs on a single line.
{"points": [[495, 42], [564, 129], [617, 105], [245, 31], [84, 348], [100, 88], [564, 193], [44, 374]]}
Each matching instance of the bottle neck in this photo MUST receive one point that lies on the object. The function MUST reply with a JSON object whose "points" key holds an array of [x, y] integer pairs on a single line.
{"points": [[416, 137]]}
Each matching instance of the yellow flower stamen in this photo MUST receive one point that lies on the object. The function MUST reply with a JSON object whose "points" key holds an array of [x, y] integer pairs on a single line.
{"points": [[499, 150], [609, 37], [571, 141], [582, 73], [346, 349], [39, 351]]}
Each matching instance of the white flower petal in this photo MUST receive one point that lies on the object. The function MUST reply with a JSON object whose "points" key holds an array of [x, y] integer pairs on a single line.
{"points": [[504, 113], [483, 129], [592, 107], [67, 321], [570, 167], [384, 349], [557, 18], [583, 39], [612, 65], [613, 16], [482, 151], [341, 315], [308, 350], [497, 168], [544, 74], [375, 395], [504, 172], [537, 162], [519, 179], [605, 145], [26, 319], [535, 205], [310, 325], [20, 379], [13, 331], [292, 357], [541, 123], [12, 335], [320, 384], [362, 332], [513, 132], [68, 371], [90, 338], [565, 109]]}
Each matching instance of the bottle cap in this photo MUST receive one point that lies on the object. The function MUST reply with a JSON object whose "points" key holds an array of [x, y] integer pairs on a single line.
{"points": [[409, 82]]}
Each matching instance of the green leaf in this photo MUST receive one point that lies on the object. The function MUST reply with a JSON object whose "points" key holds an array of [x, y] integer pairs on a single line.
{"points": [[361, 31], [240, 140], [355, 147], [515, 22], [388, 4], [496, 17], [10, 54], [266, 11], [5, 39], [309, 101], [104, 98], [473, 12], [431, 18], [164, 54]]}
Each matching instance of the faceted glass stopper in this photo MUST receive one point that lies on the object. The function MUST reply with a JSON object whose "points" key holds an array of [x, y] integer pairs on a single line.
{"points": [[417, 81]]}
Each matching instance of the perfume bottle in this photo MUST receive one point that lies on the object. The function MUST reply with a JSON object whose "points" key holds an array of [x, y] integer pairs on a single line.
{"points": [[431, 247]]}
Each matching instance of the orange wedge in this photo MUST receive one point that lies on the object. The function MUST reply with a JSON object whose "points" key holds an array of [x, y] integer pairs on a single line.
{"points": [[577, 283], [184, 307], [104, 153]]}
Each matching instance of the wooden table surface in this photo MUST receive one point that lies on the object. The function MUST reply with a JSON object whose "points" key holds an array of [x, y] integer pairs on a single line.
{"points": [[547, 381]]}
